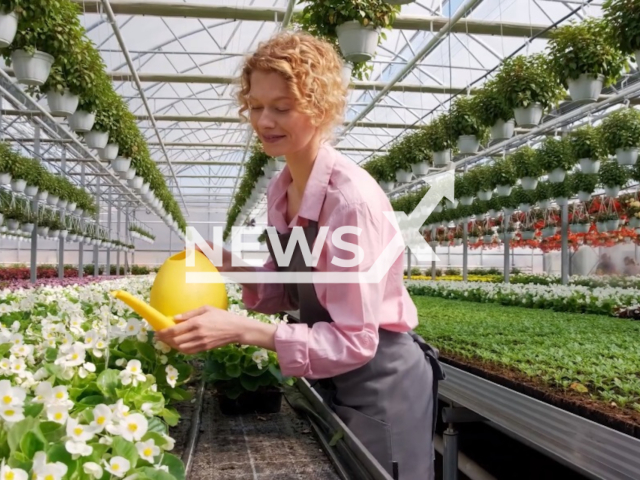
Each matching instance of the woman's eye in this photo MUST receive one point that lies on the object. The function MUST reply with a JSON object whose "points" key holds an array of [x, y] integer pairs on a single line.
{"points": [[282, 109]]}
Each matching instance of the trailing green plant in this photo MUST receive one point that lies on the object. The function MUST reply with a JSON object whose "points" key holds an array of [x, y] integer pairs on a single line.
{"points": [[412, 148], [543, 191], [503, 172], [463, 120], [564, 189], [479, 179], [462, 187], [525, 163], [586, 142], [612, 174], [522, 196], [397, 158], [528, 80], [621, 129], [586, 47], [8, 6], [490, 105], [622, 16], [555, 153], [584, 182], [438, 134]]}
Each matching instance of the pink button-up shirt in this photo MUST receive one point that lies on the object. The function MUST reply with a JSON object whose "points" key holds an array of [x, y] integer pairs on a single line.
{"points": [[338, 193]]}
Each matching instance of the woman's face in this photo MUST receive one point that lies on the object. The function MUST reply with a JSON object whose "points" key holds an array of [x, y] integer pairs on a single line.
{"points": [[282, 129]]}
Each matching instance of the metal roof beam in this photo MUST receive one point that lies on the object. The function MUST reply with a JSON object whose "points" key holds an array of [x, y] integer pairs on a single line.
{"points": [[402, 22]]}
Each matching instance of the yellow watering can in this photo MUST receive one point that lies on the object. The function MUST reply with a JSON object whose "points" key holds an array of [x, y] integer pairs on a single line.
{"points": [[172, 295]]}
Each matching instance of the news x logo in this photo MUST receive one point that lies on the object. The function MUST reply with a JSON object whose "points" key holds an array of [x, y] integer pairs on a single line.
{"points": [[407, 235]]}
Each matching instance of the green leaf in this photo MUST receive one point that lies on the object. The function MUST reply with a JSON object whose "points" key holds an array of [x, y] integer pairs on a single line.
{"points": [[180, 394], [52, 431], [33, 409], [234, 370], [19, 460], [154, 474], [30, 444], [108, 381], [126, 449], [171, 416], [176, 467], [50, 355], [147, 352], [19, 430], [156, 425]]}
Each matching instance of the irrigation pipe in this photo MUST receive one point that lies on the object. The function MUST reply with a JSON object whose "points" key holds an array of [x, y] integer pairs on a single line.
{"points": [[194, 431], [467, 466]]}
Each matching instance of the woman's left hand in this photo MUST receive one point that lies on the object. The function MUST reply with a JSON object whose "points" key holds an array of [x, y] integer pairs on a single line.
{"points": [[202, 329]]}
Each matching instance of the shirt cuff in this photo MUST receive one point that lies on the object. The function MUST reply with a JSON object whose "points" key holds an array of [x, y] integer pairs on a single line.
{"points": [[292, 347]]}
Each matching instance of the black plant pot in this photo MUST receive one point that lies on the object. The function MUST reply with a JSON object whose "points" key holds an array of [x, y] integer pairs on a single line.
{"points": [[261, 401]]}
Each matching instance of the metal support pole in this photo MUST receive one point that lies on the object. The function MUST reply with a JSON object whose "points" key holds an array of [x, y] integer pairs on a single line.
{"points": [[564, 246], [108, 267], [506, 243], [63, 168], [81, 244], [465, 250], [118, 235], [95, 247], [34, 207], [126, 236], [408, 263], [450, 457]]}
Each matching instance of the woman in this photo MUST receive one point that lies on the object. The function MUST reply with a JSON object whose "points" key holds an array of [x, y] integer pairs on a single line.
{"points": [[358, 335]]}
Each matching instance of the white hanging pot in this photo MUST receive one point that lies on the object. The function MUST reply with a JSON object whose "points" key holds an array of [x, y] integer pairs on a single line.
{"points": [[62, 203], [129, 174], [438, 208], [42, 195], [544, 204], [402, 176], [504, 190], [96, 139], [347, 70], [589, 166], [468, 144], [71, 207], [13, 224], [637, 55], [144, 188], [611, 192], [508, 211], [524, 207], [135, 182], [466, 200], [634, 222], [8, 28], [386, 186], [485, 195], [528, 234], [31, 190], [503, 130], [64, 233], [549, 231], [457, 242], [557, 175], [528, 117], [473, 240], [585, 88], [54, 233], [584, 196], [420, 169], [5, 178], [262, 182], [18, 185], [52, 199], [529, 183], [562, 200], [108, 153], [601, 226], [613, 225], [627, 156], [27, 227], [73, 237], [451, 205], [492, 213], [32, 70], [357, 43], [79, 211], [62, 104], [442, 158], [487, 238], [268, 173], [81, 121]]}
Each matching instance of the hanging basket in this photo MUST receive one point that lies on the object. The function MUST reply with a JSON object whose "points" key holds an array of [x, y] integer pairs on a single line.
{"points": [[485, 195], [13, 224], [402, 176], [71, 207], [612, 192], [62, 203], [442, 158], [457, 242], [135, 182], [589, 166], [557, 175], [109, 153], [504, 190], [95, 139], [129, 174], [613, 225], [544, 204], [487, 238], [419, 169], [529, 183], [54, 233], [32, 70], [528, 234], [42, 195], [634, 222], [549, 231], [81, 121], [627, 156], [468, 144], [466, 201], [121, 164], [31, 191], [8, 28], [503, 130], [144, 188], [18, 185], [347, 70], [585, 88], [62, 104], [451, 205], [524, 207], [5, 178], [473, 240], [584, 196], [508, 211], [53, 200], [27, 227], [562, 201], [528, 117], [386, 186], [357, 43]]}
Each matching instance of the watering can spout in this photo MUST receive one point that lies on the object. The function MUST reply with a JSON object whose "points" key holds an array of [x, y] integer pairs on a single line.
{"points": [[156, 319]]}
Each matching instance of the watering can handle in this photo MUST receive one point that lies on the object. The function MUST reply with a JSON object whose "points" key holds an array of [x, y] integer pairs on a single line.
{"points": [[156, 319]]}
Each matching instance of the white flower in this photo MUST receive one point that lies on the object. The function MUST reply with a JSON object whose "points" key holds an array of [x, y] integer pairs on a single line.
{"points": [[163, 359], [11, 414], [91, 468], [5, 365], [58, 413], [133, 427], [84, 370], [133, 326], [74, 356], [117, 466], [102, 415], [106, 440], [121, 362], [78, 432], [17, 366], [120, 411], [163, 347], [147, 450], [47, 471], [8, 473], [11, 395], [78, 449], [261, 356], [170, 442], [133, 373], [172, 375]]}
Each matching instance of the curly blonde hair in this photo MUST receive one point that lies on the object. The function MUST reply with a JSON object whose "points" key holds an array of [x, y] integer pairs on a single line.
{"points": [[313, 70]]}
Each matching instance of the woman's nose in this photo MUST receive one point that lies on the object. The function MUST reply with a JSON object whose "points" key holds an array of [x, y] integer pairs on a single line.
{"points": [[266, 120]]}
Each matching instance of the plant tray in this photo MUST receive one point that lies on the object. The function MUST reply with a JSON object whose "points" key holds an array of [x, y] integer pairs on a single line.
{"points": [[252, 402]]}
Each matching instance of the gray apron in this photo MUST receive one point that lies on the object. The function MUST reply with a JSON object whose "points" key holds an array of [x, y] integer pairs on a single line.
{"points": [[390, 402]]}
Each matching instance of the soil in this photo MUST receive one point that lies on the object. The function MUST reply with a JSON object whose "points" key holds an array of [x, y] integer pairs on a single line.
{"points": [[278, 446], [180, 433], [624, 420]]}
